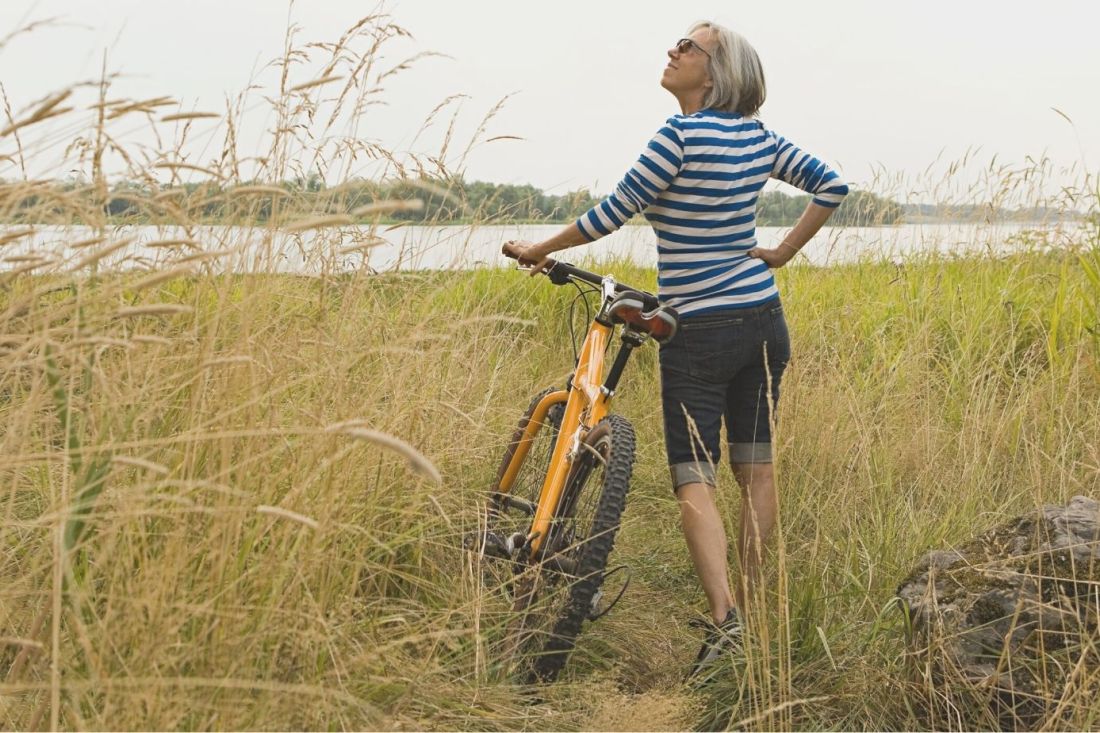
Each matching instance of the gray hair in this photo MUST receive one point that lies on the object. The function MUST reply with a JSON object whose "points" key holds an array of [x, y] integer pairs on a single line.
{"points": [[736, 73]]}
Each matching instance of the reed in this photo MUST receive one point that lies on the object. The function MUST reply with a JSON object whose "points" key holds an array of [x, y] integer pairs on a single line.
{"points": [[235, 497]]}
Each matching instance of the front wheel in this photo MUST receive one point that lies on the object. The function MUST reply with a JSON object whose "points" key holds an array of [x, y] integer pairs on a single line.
{"points": [[556, 595]]}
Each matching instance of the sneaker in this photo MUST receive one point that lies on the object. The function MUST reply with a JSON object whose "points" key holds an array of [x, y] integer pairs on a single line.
{"points": [[719, 638]]}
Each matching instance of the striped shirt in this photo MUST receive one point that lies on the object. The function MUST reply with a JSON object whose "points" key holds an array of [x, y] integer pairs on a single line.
{"points": [[697, 182]]}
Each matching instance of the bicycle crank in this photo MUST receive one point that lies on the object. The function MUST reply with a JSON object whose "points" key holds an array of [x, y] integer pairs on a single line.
{"points": [[491, 544], [594, 611]]}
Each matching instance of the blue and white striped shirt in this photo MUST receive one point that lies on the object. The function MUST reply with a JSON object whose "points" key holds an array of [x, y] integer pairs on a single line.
{"points": [[697, 182]]}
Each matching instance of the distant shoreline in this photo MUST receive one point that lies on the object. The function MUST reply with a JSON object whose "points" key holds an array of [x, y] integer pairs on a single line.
{"points": [[636, 222], [429, 202]]}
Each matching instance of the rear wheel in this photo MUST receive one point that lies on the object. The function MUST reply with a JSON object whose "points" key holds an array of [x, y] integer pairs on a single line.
{"points": [[555, 596]]}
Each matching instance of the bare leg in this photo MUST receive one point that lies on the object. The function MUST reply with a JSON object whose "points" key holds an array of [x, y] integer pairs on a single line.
{"points": [[706, 541], [759, 505]]}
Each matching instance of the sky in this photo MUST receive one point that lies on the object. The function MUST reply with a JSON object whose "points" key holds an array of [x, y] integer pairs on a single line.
{"points": [[877, 89]]}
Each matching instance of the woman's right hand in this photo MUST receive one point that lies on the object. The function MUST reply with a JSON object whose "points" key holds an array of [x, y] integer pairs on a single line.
{"points": [[528, 253]]}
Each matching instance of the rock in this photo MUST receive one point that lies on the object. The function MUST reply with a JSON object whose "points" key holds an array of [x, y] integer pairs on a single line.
{"points": [[1004, 628]]}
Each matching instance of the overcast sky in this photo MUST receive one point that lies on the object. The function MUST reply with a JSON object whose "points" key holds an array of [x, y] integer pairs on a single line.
{"points": [[865, 85]]}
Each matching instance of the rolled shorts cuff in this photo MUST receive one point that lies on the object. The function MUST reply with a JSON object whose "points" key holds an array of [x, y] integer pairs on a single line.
{"points": [[750, 452], [692, 472]]}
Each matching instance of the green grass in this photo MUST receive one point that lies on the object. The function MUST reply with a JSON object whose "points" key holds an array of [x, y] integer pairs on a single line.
{"points": [[924, 403], [200, 530]]}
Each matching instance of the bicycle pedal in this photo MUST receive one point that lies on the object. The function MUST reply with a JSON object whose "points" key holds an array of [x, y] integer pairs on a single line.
{"points": [[488, 544], [491, 544]]}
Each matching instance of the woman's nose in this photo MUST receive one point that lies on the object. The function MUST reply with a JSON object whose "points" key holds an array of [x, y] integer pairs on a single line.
{"points": [[672, 53]]}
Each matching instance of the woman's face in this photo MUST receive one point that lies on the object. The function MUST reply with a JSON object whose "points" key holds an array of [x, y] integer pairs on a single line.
{"points": [[687, 64]]}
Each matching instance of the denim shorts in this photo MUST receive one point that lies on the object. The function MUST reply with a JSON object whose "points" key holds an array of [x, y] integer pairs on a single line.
{"points": [[722, 364]]}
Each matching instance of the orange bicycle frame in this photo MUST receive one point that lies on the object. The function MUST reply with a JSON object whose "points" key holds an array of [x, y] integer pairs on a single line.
{"points": [[585, 405]]}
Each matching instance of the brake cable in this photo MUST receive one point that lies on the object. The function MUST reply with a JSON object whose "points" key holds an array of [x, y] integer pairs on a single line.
{"points": [[582, 295], [593, 614]]}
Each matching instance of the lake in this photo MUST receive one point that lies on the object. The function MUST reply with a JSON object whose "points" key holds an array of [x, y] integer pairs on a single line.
{"points": [[406, 247]]}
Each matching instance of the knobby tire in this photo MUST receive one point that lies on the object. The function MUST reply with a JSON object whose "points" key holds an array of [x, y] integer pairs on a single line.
{"points": [[610, 447]]}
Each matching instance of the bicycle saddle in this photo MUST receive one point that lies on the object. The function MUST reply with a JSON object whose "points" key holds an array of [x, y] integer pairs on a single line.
{"points": [[660, 322]]}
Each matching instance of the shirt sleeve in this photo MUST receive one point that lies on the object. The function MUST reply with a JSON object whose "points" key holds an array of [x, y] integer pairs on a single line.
{"points": [[802, 170], [657, 166]]}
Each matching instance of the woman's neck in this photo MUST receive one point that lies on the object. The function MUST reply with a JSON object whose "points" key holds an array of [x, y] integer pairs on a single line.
{"points": [[690, 103]]}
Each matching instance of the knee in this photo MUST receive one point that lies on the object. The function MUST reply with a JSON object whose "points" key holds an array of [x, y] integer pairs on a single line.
{"points": [[694, 498], [752, 474]]}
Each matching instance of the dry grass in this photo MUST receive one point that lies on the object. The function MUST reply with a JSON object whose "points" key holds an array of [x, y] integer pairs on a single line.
{"points": [[238, 500]]}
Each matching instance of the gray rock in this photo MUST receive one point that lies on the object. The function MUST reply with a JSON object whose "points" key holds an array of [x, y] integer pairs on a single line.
{"points": [[1004, 625]]}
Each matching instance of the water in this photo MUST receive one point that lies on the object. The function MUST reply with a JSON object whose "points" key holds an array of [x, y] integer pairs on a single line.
{"points": [[249, 249]]}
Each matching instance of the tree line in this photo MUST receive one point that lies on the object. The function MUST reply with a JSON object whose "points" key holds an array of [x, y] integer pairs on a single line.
{"points": [[424, 200]]}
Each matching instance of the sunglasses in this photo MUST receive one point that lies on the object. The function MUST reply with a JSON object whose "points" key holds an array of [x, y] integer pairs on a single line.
{"points": [[686, 44]]}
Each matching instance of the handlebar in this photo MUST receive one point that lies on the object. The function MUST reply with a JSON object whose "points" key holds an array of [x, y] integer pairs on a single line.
{"points": [[560, 273]]}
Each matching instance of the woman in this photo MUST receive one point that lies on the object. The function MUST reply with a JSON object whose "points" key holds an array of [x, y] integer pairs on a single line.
{"points": [[697, 183]]}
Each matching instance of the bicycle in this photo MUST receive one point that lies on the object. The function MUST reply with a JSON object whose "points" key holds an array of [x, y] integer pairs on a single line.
{"points": [[555, 505]]}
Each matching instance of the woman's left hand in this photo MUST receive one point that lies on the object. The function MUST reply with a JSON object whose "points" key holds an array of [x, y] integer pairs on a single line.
{"points": [[527, 253], [774, 258]]}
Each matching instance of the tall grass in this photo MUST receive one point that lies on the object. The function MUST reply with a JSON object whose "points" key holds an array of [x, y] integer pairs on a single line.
{"points": [[234, 498]]}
